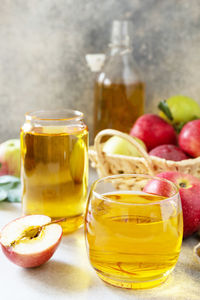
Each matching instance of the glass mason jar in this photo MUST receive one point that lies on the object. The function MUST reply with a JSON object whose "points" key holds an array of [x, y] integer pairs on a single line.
{"points": [[133, 229], [54, 169], [119, 91]]}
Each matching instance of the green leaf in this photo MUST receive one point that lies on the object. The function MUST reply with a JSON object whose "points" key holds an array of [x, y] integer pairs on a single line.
{"points": [[10, 188], [8, 179], [3, 195], [14, 195], [179, 126], [194, 118], [163, 106]]}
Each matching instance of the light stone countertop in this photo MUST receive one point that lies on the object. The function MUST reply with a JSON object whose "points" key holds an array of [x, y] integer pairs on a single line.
{"points": [[68, 275]]}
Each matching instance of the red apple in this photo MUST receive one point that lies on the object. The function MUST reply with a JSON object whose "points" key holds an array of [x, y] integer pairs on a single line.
{"points": [[153, 131], [189, 189], [169, 152], [25, 245], [189, 138]]}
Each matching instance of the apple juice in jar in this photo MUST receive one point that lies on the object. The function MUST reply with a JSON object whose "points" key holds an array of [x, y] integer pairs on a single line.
{"points": [[54, 171]]}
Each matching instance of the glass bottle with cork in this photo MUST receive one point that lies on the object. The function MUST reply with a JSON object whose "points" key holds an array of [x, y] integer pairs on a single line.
{"points": [[119, 91]]}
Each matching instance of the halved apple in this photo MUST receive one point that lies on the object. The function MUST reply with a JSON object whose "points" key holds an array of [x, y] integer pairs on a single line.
{"points": [[30, 241]]}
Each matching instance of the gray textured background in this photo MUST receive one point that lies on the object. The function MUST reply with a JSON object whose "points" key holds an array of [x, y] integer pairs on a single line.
{"points": [[43, 46]]}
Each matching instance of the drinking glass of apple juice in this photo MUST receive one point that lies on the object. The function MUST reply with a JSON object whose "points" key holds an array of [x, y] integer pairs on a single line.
{"points": [[133, 229], [54, 170]]}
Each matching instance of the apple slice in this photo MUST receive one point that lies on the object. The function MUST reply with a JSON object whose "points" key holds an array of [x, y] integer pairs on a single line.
{"points": [[31, 240]]}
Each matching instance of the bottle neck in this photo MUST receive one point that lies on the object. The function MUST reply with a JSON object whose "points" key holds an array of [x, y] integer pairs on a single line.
{"points": [[120, 37], [119, 50]]}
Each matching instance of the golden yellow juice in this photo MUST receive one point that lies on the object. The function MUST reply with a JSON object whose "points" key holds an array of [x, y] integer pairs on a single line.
{"points": [[133, 245], [55, 172], [117, 105]]}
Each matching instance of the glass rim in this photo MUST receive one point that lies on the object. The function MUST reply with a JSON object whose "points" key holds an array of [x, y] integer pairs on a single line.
{"points": [[103, 197], [39, 115]]}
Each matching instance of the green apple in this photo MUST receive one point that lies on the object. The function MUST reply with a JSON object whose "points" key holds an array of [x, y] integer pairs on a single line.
{"points": [[118, 145], [10, 157], [179, 109]]}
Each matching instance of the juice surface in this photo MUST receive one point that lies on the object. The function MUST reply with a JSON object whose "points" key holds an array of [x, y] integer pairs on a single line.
{"points": [[129, 244], [55, 172]]}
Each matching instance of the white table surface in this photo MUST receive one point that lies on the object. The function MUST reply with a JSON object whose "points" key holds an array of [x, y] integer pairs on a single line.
{"points": [[68, 275]]}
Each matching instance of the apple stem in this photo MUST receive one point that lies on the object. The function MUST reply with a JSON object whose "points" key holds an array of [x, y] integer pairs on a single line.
{"points": [[55, 221]]}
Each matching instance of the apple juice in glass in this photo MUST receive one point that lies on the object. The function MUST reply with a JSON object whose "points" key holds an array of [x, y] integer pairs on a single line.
{"points": [[133, 237], [54, 171]]}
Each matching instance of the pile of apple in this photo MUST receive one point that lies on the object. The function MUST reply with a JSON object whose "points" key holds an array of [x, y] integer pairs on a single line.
{"points": [[173, 135]]}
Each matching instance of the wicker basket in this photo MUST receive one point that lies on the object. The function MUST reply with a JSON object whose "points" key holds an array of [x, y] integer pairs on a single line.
{"points": [[118, 164]]}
